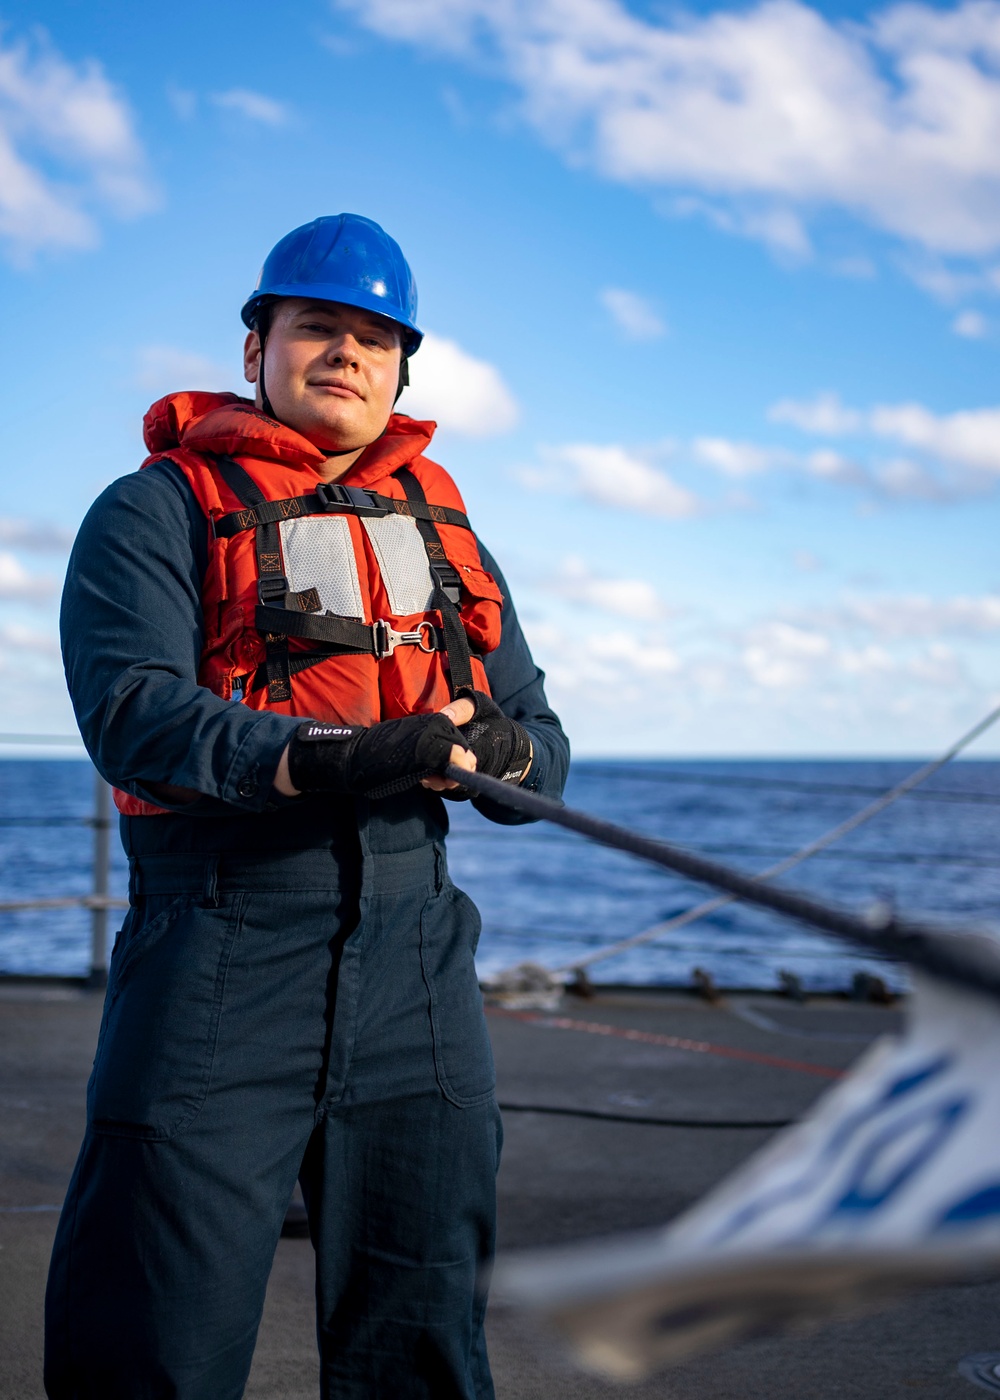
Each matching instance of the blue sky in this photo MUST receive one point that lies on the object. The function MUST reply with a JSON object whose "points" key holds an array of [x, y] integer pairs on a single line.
{"points": [[712, 302]]}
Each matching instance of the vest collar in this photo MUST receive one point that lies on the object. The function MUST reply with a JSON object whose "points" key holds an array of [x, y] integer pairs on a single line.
{"points": [[402, 442], [231, 425]]}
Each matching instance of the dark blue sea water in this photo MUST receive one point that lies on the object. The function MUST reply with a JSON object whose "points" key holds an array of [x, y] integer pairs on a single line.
{"points": [[549, 896]]}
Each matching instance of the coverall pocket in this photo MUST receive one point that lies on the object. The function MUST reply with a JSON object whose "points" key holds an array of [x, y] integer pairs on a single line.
{"points": [[161, 1020], [463, 1059]]}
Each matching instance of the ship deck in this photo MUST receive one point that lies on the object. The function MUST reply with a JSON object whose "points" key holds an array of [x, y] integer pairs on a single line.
{"points": [[752, 1058]]}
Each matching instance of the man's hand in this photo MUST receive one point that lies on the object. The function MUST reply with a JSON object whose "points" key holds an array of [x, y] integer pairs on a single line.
{"points": [[500, 746], [459, 712], [371, 762]]}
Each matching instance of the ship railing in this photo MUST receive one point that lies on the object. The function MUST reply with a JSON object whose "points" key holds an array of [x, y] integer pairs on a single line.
{"points": [[99, 900]]}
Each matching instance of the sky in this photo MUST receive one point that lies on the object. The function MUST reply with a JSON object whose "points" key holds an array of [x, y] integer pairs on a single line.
{"points": [[712, 301]]}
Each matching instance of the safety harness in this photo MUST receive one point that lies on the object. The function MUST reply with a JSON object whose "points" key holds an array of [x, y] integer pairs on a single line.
{"points": [[282, 613]]}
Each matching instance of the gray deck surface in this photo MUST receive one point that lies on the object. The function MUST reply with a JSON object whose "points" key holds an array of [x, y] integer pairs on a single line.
{"points": [[562, 1178]]}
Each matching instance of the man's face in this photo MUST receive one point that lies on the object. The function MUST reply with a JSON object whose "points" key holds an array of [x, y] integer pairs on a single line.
{"points": [[331, 371]]}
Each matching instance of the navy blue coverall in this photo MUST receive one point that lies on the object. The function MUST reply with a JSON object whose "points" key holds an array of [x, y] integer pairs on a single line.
{"points": [[292, 995]]}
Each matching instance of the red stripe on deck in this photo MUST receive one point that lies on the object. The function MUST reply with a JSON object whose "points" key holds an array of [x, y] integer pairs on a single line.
{"points": [[673, 1042]]}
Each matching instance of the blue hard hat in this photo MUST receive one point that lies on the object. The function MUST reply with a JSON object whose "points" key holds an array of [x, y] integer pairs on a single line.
{"points": [[344, 258]]}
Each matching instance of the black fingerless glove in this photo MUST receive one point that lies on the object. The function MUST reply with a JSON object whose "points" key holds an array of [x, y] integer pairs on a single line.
{"points": [[501, 746], [376, 762]]}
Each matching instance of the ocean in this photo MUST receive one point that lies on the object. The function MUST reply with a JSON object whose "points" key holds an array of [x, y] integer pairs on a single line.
{"points": [[550, 897]]}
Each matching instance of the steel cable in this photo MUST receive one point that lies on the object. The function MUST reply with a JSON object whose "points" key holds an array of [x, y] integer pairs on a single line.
{"points": [[880, 931], [872, 809]]}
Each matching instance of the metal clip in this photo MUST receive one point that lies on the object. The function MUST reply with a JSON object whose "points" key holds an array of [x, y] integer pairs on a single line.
{"points": [[387, 639]]}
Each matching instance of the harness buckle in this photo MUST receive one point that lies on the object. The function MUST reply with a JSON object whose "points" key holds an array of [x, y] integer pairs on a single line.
{"points": [[447, 578], [334, 496], [271, 591], [387, 639]]}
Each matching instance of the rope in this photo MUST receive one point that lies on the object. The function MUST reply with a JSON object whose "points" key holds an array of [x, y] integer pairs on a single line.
{"points": [[802, 854], [880, 932]]}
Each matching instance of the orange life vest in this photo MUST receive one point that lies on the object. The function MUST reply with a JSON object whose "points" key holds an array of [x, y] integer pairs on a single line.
{"points": [[355, 601]]}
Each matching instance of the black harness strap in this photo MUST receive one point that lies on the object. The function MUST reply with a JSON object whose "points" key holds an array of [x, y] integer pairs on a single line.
{"points": [[282, 613], [272, 584], [344, 633], [447, 584], [299, 661], [242, 484], [329, 498]]}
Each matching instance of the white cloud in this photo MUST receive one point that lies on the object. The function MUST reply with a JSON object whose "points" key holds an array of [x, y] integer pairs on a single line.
{"points": [[735, 459], [972, 325], [916, 615], [15, 637], [779, 655], [899, 479], [866, 661], [17, 584], [163, 369], [613, 476], [867, 634], [611, 667], [39, 536], [771, 112], [254, 106], [889, 672], [937, 666], [633, 314], [813, 648], [67, 147], [828, 465], [781, 230], [642, 656], [970, 437], [825, 414], [461, 393], [625, 597], [966, 441], [904, 480], [948, 458], [945, 283]]}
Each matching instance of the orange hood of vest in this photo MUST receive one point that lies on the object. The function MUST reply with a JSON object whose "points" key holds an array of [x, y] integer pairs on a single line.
{"points": [[229, 425]]}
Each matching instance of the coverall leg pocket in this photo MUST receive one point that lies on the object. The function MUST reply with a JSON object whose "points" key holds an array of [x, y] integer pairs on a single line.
{"points": [[463, 1058], [154, 1056]]}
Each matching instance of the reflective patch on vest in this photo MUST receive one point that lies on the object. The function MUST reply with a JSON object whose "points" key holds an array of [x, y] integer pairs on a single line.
{"points": [[319, 553], [402, 562]]}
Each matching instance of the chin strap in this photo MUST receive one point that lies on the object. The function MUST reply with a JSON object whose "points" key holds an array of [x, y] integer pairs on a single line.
{"points": [[265, 402], [404, 378]]}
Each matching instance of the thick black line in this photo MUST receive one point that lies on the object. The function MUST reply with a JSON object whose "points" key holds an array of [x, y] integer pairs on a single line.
{"points": [[933, 949]]}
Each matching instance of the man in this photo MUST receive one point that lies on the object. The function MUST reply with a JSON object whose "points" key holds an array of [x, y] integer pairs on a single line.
{"points": [[276, 637]]}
